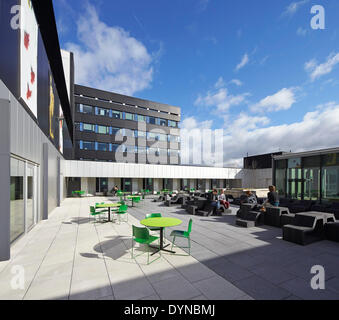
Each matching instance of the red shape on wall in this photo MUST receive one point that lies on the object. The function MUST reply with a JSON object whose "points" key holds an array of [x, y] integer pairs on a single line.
{"points": [[32, 76], [26, 40], [29, 92]]}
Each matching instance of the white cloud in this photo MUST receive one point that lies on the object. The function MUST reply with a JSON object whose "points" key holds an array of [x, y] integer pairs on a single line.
{"points": [[294, 7], [317, 71], [220, 83], [109, 58], [220, 98], [202, 5], [301, 32], [244, 61], [282, 100], [318, 129], [237, 82], [192, 123]]}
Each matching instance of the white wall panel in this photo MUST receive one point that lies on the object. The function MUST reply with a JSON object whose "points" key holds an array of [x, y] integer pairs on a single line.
{"points": [[127, 170]]}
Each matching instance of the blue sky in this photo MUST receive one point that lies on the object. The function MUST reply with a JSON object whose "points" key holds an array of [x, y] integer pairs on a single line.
{"points": [[255, 69]]}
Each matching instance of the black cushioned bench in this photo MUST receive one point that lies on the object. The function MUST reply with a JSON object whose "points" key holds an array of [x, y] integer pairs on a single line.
{"points": [[332, 231], [306, 228], [248, 218], [273, 216]]}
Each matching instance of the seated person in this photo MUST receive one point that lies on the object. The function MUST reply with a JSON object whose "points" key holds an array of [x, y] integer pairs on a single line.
{"points": [[272, 198], [222, 199], [214, 200]]}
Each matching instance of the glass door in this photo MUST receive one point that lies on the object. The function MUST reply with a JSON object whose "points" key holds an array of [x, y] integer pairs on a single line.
{"points": [[294, 179], [30, 198], [17, 215]]}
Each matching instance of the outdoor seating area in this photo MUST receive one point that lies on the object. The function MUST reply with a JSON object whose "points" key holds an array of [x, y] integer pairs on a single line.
{"points": [[301, 228], [162, 252]]}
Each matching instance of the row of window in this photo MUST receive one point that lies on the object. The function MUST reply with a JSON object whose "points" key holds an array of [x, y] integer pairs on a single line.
{"points": [[151, 136], [125, 104], [82, 108], [111, 147]]}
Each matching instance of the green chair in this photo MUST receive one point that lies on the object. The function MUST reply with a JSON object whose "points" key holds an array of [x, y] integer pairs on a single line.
{"points": [[122, 211], [137, 199], [142, 236], [183, 234], [95, 212]]}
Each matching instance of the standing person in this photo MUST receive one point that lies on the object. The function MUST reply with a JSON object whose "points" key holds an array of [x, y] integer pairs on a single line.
{"points": [[114, 191], [272, 197]]}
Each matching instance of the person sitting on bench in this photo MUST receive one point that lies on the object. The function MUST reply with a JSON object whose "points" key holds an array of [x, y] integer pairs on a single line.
{"points": [[272, 198]]}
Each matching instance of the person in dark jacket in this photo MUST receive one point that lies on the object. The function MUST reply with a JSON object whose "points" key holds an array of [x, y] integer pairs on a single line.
{"points": [[215, 199], [272, 197]]}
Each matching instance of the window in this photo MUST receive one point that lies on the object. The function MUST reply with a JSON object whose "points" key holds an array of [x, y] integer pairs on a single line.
{"points": [[116, 114], [102, 146], [140, 118], [87, 145], [162, 137], [115, 147], [294, 178], [128, 133], [101, 184], [151, 136], [172, 124], [129, 116], [140, 134], [152, 120], [175, 139], [141, 150], [152, 151], [85, 109], [163, 152], [17, 209], [163, 122], [311, 178], [280, 177], [77, 126], [86, 127], [103, 130], [130, 149], [103, 112], [116, 131], [330, 177], [173, 153]]}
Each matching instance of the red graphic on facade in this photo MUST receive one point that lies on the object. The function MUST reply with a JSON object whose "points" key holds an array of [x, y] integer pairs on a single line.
{"points": [[29, 92], [26, 40], [32, 76]]}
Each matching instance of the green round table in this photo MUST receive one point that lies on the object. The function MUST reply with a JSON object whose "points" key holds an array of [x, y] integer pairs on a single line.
{"points": [[161, 223], [109, 206], [132, 198]]}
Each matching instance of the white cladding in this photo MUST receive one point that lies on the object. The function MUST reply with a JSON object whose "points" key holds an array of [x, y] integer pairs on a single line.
{"points": [[73, 168]]}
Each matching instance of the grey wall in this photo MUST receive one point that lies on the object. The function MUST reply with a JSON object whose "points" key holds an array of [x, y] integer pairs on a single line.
{"points": [[4, 180], [26, 142]]}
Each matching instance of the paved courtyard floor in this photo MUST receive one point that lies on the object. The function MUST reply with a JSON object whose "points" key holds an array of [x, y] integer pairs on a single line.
{"points": [[71, 257]]}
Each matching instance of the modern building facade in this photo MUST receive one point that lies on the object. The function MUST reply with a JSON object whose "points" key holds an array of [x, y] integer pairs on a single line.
{"points": [[35, 117], [57, 136], [117, 128], [312, 175]]}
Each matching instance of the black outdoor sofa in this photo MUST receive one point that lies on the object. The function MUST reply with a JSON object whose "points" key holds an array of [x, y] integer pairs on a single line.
{"points": [[178, 199], [248, 217]]}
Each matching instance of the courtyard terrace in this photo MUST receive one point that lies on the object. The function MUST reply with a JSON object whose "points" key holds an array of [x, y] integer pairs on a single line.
{"points": [[71, 257]]}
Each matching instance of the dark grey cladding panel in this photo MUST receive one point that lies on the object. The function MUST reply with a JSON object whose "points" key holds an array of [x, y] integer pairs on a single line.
{"points": [[108, 96], [110, 156]]}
